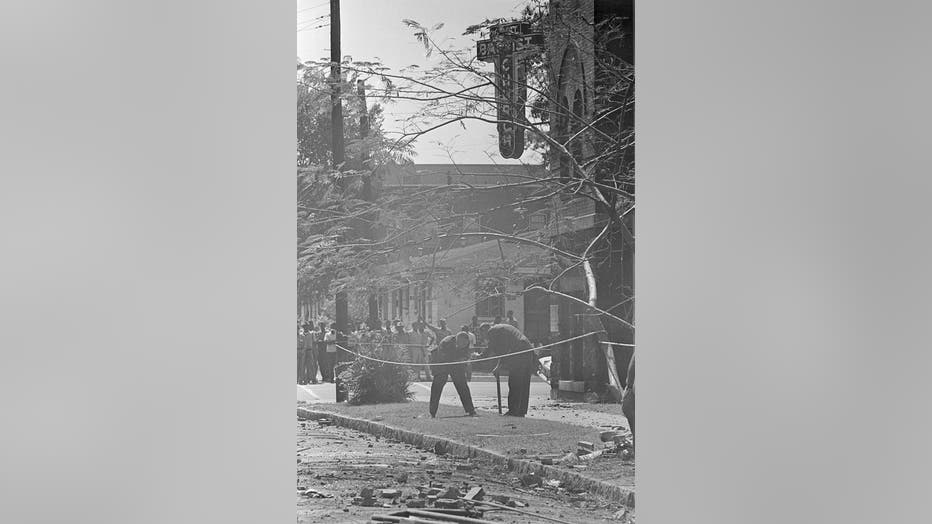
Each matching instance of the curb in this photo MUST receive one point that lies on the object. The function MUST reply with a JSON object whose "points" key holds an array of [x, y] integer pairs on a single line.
{"points": [[425, 442]]}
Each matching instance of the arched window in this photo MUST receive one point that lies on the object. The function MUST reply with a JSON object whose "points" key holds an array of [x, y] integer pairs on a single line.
{"points": [[568, 119]]}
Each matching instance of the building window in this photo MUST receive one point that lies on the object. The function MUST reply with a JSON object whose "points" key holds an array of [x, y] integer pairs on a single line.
{"points": [[491, 307], [539, 220]]}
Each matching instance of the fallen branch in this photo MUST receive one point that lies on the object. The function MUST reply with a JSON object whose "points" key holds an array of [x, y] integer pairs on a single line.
{"points": [[509, 508], [531, 435]]}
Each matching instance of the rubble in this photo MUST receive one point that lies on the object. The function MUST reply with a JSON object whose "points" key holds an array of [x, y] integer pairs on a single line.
{"points": [[448, 503], [390, 493], [531, 479], [476, 493], [501, 499], [451, 493]]}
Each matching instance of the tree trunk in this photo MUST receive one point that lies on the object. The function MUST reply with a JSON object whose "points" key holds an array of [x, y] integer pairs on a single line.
{"points": [[594, 323]]}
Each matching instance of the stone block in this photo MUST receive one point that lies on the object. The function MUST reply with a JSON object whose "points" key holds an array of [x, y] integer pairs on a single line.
{"points": [[448, 504], [476, 493]]}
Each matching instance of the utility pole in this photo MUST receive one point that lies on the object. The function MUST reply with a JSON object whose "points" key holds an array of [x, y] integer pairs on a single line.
{"points": [[338, 148], [338, 151]]}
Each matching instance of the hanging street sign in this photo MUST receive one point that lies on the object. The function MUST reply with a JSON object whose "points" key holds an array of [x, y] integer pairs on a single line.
{"points": [[505, 47]]}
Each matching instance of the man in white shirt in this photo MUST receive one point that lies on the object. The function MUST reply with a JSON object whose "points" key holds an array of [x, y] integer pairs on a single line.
{"points": [[329, 355]]}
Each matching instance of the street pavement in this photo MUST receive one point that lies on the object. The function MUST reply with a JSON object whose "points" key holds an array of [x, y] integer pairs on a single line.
{"points": [[482, 388]]}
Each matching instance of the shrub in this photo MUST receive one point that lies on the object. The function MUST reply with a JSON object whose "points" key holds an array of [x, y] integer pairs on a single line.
{"points": [[370, 382]]}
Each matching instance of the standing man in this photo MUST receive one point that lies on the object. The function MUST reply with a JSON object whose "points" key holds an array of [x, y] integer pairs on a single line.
{"points": [[400, 340], [451, 349], [504, 340], [441, 332], [419, 350], [511, 319], [329, 353], [310, 354], [301, 354]]}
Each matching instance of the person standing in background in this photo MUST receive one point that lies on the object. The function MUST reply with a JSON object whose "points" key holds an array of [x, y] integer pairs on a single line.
{"points": [[510, 319], [440, 332], [400, 341], [328, 354], [310, 354], [421, 340], [302, 379]]}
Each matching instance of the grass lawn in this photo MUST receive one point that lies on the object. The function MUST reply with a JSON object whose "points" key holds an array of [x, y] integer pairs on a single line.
{"points": [[505, 435]]}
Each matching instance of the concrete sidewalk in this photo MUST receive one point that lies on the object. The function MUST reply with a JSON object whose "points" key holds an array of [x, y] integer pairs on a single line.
{"points": [[482, 388]]}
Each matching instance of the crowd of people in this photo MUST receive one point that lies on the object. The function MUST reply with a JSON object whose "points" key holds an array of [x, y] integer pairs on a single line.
{"points": [[423, 343]]}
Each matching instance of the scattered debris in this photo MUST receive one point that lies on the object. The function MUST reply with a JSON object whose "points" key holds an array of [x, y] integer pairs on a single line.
{"points": [[390, 493], [501, 499], [448, 503], [588, 446], [476, 493], [451, 493], [531, 479], [314, 494], [607, 436], [590, 456]]}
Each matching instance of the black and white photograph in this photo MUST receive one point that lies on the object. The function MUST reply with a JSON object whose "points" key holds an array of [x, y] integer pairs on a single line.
{"points": [[465, 214], [437, 204]]}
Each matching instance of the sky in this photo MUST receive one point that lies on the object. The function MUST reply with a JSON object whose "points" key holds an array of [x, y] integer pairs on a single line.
{"points": [[372, 30]]}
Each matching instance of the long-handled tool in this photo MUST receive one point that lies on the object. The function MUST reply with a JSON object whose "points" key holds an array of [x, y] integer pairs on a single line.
{"points": [[498, 389]]}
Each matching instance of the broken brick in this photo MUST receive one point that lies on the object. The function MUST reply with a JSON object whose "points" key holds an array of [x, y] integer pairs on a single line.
{"points": [[451, 493], [476, 493], [607, 436], [415, 503], [390, 493], [448, 503], [582, 444], [530, 479]]}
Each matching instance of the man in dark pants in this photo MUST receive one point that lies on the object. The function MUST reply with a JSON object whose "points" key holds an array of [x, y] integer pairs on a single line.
{"points": [[450, 349], [505, 339], [302, 377]]}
